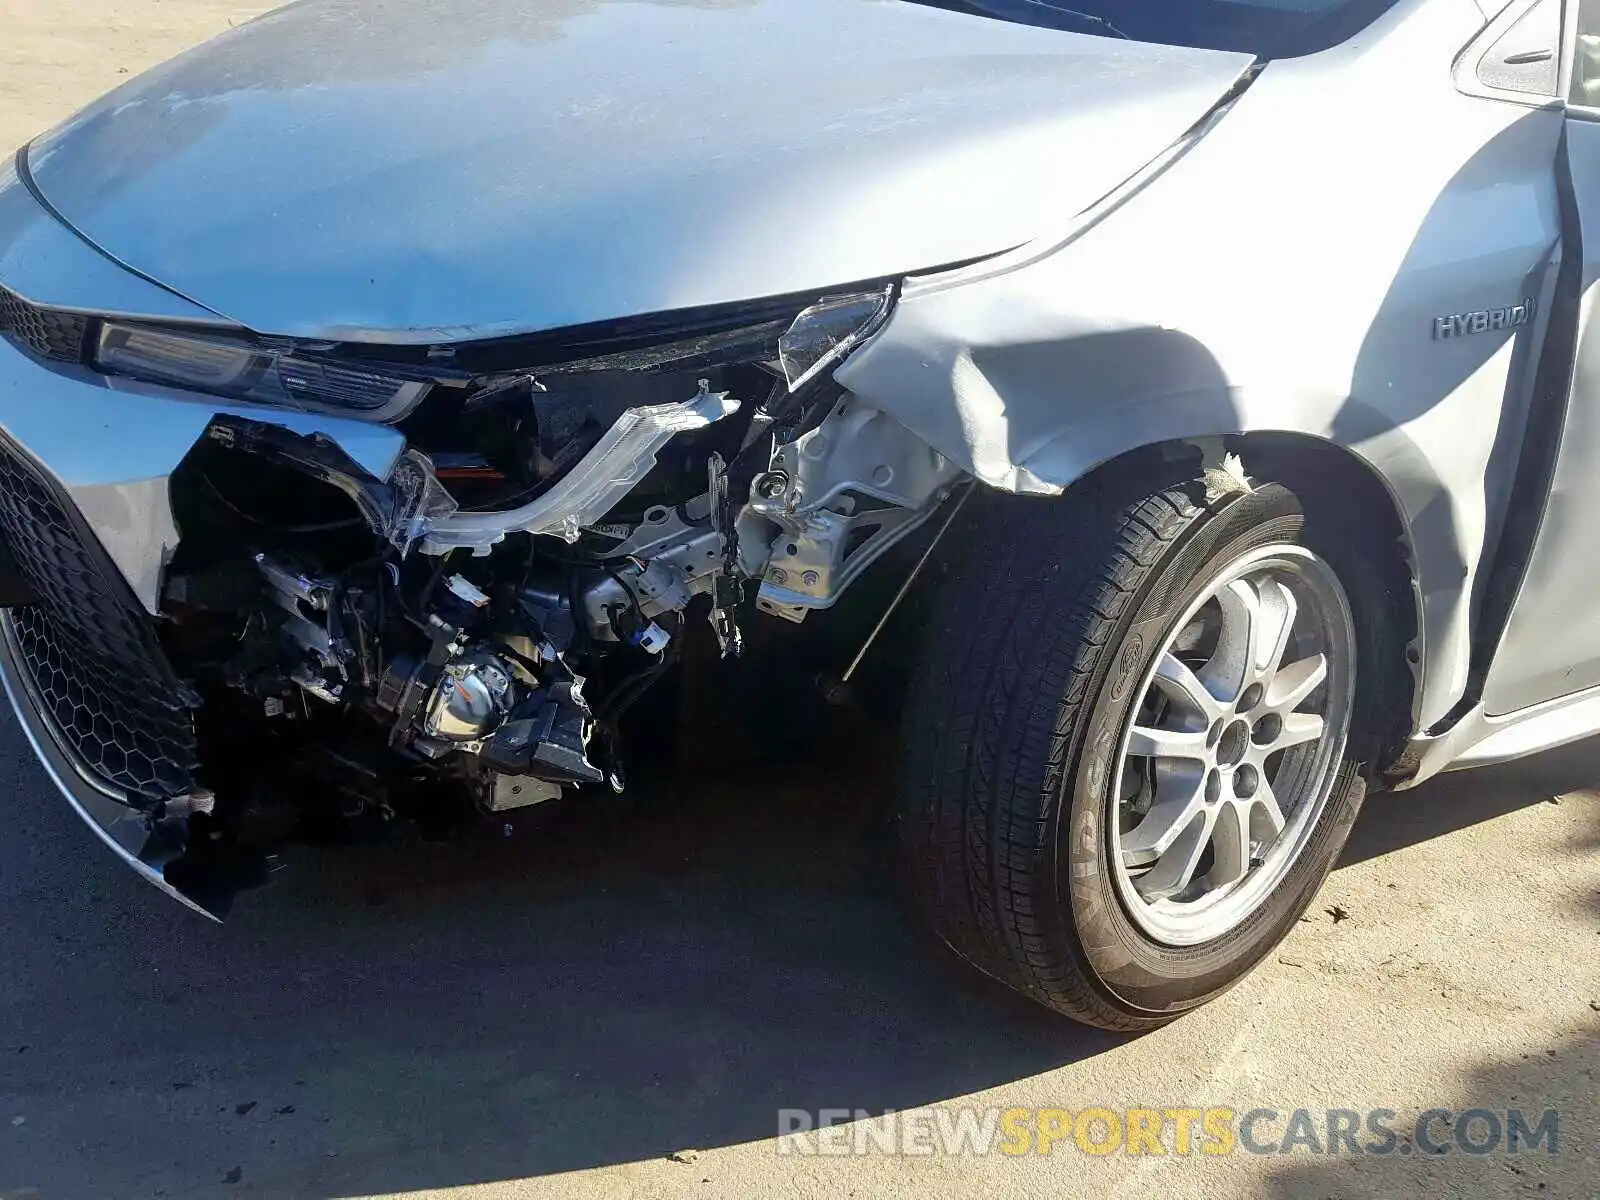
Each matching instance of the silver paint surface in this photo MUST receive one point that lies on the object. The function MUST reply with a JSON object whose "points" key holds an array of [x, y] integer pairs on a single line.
{"points": [[1547, 649], [1283, 274], [45, 262], [394, 171], [112, 443], [321, 175]]}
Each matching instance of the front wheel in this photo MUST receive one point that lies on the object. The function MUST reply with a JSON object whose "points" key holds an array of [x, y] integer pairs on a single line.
{"points": [[1128, 765]]}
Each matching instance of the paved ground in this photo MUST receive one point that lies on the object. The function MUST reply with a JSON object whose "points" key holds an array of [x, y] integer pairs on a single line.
{"points": [[557, 1016]]}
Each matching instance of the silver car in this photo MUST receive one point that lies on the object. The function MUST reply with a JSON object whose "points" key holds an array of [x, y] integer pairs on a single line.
{"points": [[1184, 417]]}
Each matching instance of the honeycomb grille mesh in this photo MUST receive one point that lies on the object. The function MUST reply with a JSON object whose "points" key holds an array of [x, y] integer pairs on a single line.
{"points": [[91, 652], [44, 331]]}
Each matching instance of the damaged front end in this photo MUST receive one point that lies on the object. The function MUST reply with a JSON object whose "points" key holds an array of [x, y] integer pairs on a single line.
{"points": [[332, 639]]}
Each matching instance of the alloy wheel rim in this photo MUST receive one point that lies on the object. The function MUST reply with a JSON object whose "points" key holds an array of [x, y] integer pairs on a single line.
{"points": [[1232, 748]]}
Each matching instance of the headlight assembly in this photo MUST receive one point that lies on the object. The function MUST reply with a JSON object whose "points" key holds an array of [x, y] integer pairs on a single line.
{"points": [[256, 374], [799, 350]]}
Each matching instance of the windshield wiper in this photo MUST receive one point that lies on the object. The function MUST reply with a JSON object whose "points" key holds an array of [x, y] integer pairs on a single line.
{"points": [[1100, 23], [1006, 10]]}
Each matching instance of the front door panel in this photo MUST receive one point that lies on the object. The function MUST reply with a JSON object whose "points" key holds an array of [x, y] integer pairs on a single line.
{"points": [[1551, 645]]}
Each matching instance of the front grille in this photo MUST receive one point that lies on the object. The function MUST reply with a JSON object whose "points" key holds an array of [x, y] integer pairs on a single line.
{"points": [[43, 331], [91, 650]]}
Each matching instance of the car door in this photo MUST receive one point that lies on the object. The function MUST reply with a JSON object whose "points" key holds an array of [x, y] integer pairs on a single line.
{"points": [[1551, 643]]}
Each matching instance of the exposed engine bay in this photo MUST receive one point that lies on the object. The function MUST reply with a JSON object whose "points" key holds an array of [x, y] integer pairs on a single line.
{"points": [[474, 627]]}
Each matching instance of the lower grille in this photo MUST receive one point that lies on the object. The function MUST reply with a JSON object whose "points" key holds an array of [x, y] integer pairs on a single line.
{"points": [[92, 652], [44, 331]]}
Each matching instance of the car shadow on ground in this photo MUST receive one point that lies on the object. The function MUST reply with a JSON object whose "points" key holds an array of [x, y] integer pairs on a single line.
{"points": [[1455, 801], [610, 987], [1561, 1077], [605, 986]]}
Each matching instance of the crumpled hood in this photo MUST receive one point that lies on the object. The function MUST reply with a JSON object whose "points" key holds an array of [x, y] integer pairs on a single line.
{"points": [[389, 170]]}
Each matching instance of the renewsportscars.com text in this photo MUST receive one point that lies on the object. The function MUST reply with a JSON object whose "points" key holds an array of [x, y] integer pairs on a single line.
{"points": [[1180, 1131]]}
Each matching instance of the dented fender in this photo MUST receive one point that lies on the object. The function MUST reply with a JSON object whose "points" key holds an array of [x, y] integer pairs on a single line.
{"points": [[1259, 280]]}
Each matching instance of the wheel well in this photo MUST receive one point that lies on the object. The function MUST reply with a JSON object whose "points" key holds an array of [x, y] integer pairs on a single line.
{"points": [[1342, 493]]}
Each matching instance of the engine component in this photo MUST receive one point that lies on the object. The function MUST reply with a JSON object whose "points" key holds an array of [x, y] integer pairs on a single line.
{"points": [[520, 791], [552, 739], [661, 567], [472, 697], [593, 512], [303, 601], [834, 499], [726, 592]]}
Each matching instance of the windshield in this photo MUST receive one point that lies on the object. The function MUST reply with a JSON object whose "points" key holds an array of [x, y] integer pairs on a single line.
{"points": [[1265, 28]]}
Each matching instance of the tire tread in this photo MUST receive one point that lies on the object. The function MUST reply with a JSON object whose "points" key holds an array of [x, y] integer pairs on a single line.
{"points": [[989, 732]]}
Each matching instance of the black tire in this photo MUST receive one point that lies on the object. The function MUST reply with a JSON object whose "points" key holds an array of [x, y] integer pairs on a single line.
{"points": [[1052, 612]]}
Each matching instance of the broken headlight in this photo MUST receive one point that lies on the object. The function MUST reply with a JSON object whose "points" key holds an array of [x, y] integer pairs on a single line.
{"points": [[823, 334], [256, 374]]}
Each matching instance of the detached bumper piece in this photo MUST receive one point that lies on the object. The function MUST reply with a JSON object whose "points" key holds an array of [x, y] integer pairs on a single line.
{"points": [[91, 685]]}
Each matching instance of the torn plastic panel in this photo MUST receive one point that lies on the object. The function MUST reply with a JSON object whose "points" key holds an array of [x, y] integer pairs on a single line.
{"points": [[386, 507], [163, 844], [420, 501], [113, 444]]}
